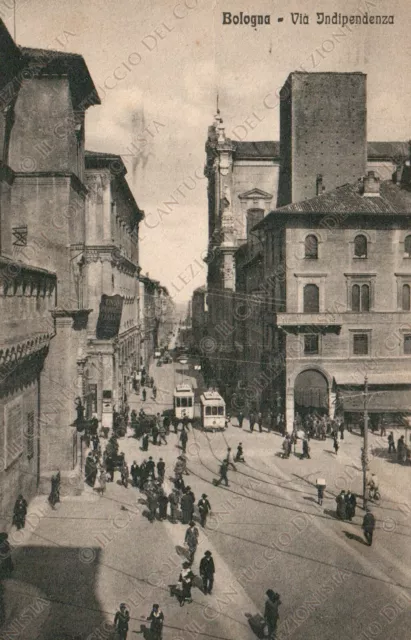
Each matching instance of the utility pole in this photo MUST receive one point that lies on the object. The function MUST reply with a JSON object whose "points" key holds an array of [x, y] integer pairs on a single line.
{"points": [[365, 448]]}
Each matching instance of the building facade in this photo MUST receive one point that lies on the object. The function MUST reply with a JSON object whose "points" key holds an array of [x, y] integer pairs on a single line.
{"points": [[44, 95], [247, 180], [110, 262], [343, 309]]}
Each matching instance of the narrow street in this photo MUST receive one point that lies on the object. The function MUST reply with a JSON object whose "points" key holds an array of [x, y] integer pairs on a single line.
{"points": [[266, 531]]}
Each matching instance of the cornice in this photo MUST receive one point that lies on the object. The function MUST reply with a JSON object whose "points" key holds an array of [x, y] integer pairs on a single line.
{"points": [[75, 182]]}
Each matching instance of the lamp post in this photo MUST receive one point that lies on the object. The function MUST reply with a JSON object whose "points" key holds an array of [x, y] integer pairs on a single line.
{"points": [[365, 448]]}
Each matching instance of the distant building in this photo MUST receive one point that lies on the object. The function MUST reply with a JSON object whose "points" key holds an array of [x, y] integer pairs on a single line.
{"points": [[199, 311], [111, 265]]}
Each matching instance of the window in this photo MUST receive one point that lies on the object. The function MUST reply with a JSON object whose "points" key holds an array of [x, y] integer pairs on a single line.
{"points": [[360, 344], [30, 435], [406, 297], [190, 402], [311, 344], [178, 403], [220, 411], [184, 402], [214, 411], [360, 297], [254, 216], [407, 247], [311, 247], [407, 345], [208, 411], [360, 246], [311, 298]]}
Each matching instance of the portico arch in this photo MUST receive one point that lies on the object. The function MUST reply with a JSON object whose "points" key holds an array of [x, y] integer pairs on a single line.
{"points": [[311, 392]]}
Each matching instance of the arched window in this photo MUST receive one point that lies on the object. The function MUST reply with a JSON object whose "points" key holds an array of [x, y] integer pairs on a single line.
{"points": [[360, 297], [311, 247], [407, 246], [360, 246], [311, 298], [406, 299]]}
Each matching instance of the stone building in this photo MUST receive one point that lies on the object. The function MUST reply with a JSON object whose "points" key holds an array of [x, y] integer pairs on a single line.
{"points": [[110, 262], [341, 303], [199, 312], [247, 180], [44, 96], [157, 317]]}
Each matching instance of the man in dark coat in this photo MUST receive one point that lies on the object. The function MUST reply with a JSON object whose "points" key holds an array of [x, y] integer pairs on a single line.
{"points": [[135, 473], [90, 470], [306, 449], [183, 440], [161, 469], [341, 505], [144, 442], [152, 503], [368, 526], [240, 419], [391, 443], [223, 473], [204, 508], [186, 507], [162, 506], [271, 614], [207, 570], [154, 433], [191, 540], [151, 468], [239, 456], [19, 512], [193, 499], [350, 505], [121, 620]]}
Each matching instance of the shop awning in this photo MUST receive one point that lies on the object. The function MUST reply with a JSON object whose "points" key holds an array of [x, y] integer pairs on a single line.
{"points": [[381, 399]]}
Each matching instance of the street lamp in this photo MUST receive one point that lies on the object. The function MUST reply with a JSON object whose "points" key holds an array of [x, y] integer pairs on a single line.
{"points": [[365, 448]]}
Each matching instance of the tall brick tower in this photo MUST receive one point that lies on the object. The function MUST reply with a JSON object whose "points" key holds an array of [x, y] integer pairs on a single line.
{"points": [[323, 133]]}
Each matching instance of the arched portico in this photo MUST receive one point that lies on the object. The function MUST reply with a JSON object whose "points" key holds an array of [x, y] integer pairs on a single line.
{"points": [[309, 389]]}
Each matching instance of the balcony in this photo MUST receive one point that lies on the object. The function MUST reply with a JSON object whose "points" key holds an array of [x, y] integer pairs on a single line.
{"points": [[330, 322]]}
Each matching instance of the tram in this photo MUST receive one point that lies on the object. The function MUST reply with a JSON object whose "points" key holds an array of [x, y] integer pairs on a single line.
{"points": [[213, 411], [183, 398]]}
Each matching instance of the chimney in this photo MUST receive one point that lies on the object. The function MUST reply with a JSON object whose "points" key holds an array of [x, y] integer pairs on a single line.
{"points": [[371, 185], [319, 184]]}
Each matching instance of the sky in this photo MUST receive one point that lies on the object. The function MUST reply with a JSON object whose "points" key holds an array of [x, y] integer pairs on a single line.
{"points": [[158, 67]]}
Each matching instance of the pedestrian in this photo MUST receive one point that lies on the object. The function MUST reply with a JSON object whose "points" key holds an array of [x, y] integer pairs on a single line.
{"points": [[144, 395], [135, 473], [166, 424], [90, 469], [320, 493], [152, 503], [156, 618], [110, 467], [150, 468], [204, 508], [342, 427], [186, 581], [239, 456], [121, 620], [186, 507], [162, 505], [161, 469], [391, 443], [271, 614], [145, 442], [341, 505], [190, 492], [20, 512], [162, 433], [154, 392], [350, 505], [154, 433], [252, 421], [228, 458], [174, 501], [223, 474], [335, 444], [306, 449], [183, 440], [6, 561], [240, 419], [191, 540], [101, 480], [54, 496], [124, 475], [400, 449], [286, 446], [207, 571], [260, 421], [368, 525]]}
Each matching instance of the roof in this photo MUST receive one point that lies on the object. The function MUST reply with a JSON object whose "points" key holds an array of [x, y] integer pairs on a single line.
{"points": [[183, 388], [212, 395], [259, 149], [348, 199], [10, 56], [101, 159], [50, 62], [271, 149]]}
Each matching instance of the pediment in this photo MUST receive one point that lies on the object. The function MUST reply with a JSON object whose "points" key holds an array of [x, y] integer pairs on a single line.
{"points": [[255, 194]]}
